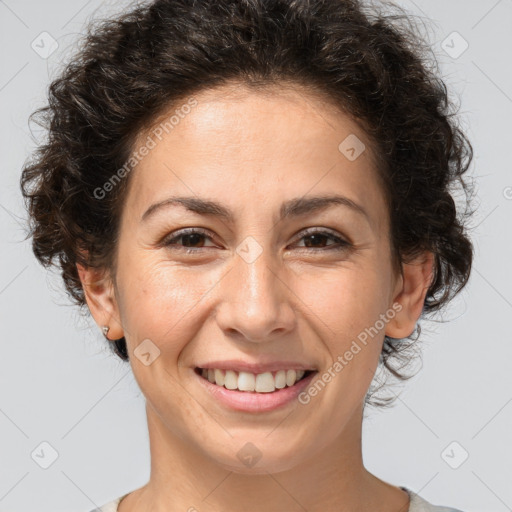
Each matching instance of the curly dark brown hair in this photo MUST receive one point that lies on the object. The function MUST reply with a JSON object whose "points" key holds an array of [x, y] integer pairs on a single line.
{"points": [[371, 63]]}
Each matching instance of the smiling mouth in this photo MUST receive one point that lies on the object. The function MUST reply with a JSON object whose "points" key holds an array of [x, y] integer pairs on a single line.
{"points": [[267, 382]]}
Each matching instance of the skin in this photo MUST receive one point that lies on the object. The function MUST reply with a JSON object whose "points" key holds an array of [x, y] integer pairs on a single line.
{"points": [[251, 151]]}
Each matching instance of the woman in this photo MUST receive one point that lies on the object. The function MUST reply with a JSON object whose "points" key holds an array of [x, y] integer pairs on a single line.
{"points": [[253, 200]]}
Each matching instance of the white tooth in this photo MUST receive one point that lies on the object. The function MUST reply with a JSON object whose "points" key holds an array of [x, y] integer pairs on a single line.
{"points": [[246, 381], [230, 380], [219, 377], [265, 383], [280, 379], [291, 377]]}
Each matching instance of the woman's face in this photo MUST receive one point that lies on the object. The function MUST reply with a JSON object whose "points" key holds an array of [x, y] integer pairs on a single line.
{"points": [[277, 280]]}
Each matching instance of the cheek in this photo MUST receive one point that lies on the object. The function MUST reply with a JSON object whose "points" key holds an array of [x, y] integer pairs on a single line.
{"points": [[345, 300], [160, 301]]}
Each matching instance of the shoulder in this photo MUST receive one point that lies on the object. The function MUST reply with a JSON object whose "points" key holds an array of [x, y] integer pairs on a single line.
{"points": [[419, 504], [110, 506]]}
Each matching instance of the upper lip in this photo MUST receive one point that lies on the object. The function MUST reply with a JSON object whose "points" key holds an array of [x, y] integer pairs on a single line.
{"points": [[243, 366]]}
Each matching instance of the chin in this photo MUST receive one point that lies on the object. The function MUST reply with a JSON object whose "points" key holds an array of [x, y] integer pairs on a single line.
{"points": [[258, 458]]}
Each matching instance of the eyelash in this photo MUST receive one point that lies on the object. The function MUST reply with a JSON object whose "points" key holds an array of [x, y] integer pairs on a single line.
{"points": [[170, 241]]}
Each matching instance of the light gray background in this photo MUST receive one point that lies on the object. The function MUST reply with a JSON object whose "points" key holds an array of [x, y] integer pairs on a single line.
{"points": [[58, 383]]}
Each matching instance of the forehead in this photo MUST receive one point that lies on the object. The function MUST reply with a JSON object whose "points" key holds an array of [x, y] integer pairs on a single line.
{"points": [[238, 115], [267, 144]]}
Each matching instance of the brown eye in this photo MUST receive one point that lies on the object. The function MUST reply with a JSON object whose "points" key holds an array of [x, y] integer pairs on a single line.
{"points": [[193, 240], [317, 239], [190, 237]]}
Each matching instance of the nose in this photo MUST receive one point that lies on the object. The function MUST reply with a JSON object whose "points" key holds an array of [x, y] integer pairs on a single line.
{"points": [[256, 302]]}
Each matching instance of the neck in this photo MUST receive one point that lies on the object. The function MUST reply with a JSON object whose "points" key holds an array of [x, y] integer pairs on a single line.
{"points": [[334, 478]]}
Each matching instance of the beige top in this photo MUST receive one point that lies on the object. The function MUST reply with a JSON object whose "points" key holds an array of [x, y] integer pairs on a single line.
{"points": [[418, 504]]}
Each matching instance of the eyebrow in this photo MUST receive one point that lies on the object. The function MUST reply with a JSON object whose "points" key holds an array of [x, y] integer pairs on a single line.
{"points": [[291, 208]]}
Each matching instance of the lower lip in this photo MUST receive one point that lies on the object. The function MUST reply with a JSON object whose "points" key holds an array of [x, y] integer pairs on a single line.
{"points": [[251, 401]]}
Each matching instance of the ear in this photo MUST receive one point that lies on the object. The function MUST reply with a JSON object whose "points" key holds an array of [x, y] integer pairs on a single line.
{"points": [[410, 292], [99, 294]]}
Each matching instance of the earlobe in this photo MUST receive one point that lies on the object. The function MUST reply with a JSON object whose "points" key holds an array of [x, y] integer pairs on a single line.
{"points": [[416, 279], [99, 294]]}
